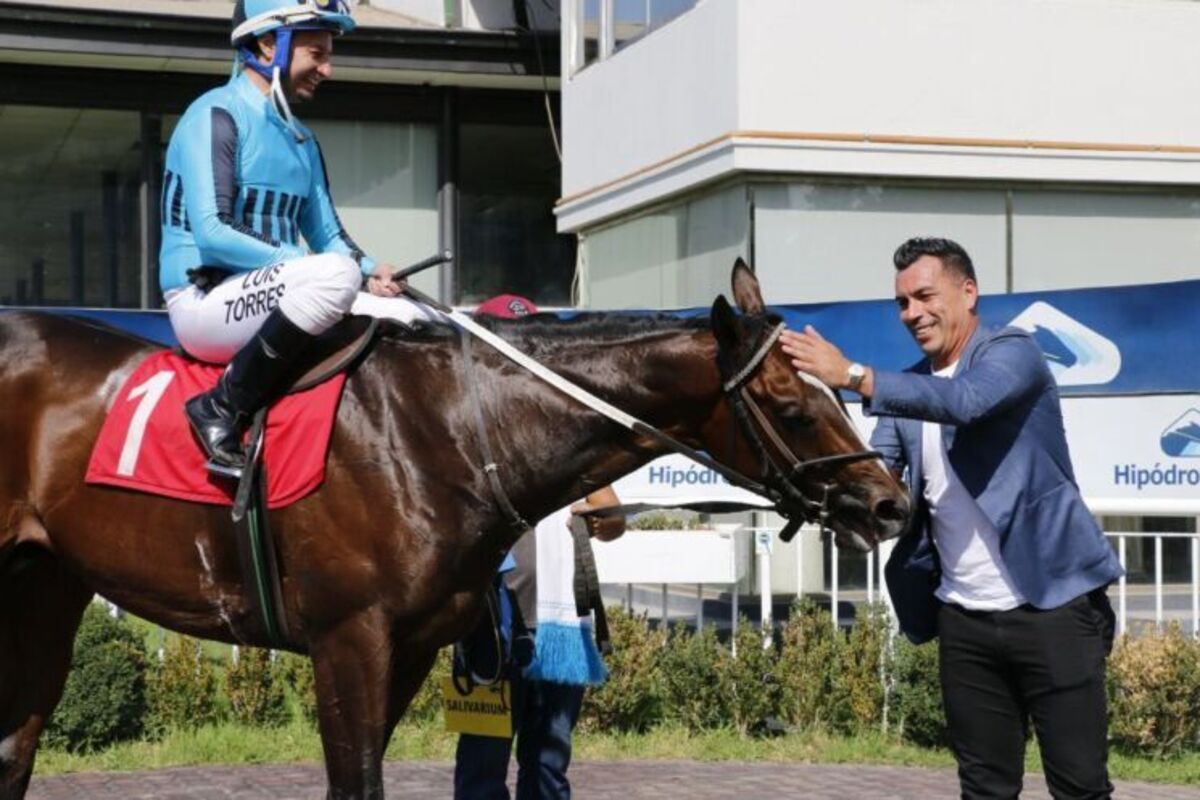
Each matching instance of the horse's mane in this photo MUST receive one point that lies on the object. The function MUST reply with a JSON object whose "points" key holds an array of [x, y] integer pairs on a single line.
{"points": [[546, 327]]}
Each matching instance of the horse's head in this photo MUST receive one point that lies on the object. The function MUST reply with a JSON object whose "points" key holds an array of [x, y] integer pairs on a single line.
{"points": [[791, 432]]}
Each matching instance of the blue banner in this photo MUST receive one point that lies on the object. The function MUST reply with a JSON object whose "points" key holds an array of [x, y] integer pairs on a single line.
{"points": [[1111, 340]]}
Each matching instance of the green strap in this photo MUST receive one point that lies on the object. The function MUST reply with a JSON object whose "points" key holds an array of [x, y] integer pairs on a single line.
{"points": [[261, 587]]}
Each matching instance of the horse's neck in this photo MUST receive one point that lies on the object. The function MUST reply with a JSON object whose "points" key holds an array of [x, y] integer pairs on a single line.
{"points": [[668, 379]]}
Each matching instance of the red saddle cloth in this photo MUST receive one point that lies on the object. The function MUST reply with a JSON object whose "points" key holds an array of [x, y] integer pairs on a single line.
{"points": [[147, 445]]}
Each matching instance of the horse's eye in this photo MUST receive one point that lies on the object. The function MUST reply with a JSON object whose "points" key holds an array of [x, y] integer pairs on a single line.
{"points": [[797, 423]]}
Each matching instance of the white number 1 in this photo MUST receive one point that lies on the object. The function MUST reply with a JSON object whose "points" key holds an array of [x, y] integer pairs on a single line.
{"points": [[151, 392]]}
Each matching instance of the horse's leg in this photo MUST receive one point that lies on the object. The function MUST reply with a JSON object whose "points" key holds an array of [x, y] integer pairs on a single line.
{"points": [[352, 663], [40, 608]]}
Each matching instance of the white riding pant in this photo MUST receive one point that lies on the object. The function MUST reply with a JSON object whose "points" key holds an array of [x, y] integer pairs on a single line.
{"points": [[313, 292]]}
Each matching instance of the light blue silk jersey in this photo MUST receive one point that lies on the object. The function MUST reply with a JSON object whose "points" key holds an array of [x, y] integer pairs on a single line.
{"points": [[239, 190]]}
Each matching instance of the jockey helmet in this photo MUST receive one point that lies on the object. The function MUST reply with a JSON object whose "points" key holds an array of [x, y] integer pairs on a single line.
{"points": [[254, 18]]}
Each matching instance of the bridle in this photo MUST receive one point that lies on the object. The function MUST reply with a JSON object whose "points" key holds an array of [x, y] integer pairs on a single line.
{"points": [[782, 468]]}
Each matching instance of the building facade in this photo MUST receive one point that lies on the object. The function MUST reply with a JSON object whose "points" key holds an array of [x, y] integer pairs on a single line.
{"points": [[1057, 140], [438, 128]]}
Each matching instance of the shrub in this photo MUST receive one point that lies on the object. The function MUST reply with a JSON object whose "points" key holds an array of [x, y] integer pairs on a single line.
{"points": [[863, 663], [104, 700], [917, 694], [807, 665], [297, 672], [749, 681], [255, 689], [427, 702], [1154, 689], [693, 689], [182, 690], [632, 697]]}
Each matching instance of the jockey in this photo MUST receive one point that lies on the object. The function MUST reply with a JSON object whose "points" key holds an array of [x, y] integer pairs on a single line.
{"points": [[244, 181]]}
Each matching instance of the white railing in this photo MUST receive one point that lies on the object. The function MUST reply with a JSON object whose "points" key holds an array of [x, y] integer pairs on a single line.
{"points": [[1158, 585], [1120, 594]]}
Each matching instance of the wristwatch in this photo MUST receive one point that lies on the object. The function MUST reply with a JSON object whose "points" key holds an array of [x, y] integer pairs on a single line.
{"points": [[854, 376]]}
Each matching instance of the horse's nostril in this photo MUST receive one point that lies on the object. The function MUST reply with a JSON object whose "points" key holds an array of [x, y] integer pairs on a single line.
{"points": [[890, 510]]}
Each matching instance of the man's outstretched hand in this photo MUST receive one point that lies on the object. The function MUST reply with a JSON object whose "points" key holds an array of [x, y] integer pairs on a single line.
{"points": [[813, 353]]}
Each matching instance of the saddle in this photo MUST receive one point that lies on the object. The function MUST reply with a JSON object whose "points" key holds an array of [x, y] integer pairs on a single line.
{"points": [[337, 350]]}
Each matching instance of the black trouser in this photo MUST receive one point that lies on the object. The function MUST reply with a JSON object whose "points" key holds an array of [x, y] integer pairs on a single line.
{"points": [[1000, 669]]}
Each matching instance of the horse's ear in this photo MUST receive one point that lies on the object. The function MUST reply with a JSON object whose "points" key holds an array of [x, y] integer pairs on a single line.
{"points": [[746, 293], [725, 325]]}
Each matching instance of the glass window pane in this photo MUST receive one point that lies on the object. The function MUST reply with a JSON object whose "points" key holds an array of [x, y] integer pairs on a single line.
{"points": [[672, 258], [591, 31], [508, 242], [633, 19], [824, 243], [70, 209], [1065, 240], [383, 177]]}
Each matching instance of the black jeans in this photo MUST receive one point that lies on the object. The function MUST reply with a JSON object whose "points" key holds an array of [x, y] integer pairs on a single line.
{"points": [[999, 669]]}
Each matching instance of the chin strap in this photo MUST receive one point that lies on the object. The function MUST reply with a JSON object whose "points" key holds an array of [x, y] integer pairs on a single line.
{"points": [[273, 72]]}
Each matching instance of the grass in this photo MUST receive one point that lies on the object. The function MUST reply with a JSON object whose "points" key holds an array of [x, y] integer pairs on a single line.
{"points": [[234, 744]]}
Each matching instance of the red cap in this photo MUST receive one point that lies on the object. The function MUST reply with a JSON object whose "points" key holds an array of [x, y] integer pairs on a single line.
{"points": [[506, 306]]}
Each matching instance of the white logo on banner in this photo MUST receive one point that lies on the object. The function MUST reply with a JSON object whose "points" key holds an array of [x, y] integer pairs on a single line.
{"points": [[1077, 354]]}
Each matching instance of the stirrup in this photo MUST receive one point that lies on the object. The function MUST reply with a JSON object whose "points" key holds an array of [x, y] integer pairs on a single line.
{"points": [[225, 470]]}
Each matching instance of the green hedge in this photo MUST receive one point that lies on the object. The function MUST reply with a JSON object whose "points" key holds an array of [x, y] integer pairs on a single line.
{"points": [[104, 700], [183, 688], [809, 675]]}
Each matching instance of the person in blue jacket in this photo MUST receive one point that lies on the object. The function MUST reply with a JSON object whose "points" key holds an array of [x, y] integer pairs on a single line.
{"points": [[1003, 562], [255, 262]]}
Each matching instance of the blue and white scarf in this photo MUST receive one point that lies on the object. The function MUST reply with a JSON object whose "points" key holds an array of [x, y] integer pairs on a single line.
{"points": [[565, 646]]}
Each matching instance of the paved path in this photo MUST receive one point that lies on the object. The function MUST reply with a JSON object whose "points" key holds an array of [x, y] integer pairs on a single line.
{"points": [[592, 780]]}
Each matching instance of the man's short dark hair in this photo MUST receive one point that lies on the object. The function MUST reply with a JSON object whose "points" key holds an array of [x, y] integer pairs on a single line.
{"points": [[951, 254]]}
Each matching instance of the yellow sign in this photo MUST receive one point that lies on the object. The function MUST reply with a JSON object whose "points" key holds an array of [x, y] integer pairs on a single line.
{"points": [[485, 711]]}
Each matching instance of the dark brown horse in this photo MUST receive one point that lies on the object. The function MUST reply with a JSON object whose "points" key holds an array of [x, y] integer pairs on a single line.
{"points": [[387, 562]]}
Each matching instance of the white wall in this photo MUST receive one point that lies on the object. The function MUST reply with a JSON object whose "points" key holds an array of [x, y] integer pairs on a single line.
{"points": [[673, 89], [431, 11], [1121, 71], [977, 81]]}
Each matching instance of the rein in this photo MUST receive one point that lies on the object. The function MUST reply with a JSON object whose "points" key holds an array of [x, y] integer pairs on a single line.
{"points": [[777, 485]]}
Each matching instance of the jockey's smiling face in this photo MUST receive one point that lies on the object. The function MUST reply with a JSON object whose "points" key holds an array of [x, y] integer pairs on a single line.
{"points": [[312, 62]]}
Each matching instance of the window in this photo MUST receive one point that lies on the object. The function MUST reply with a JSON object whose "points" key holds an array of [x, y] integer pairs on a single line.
{"points": [[673, 257], [1063, 240], [509, 181], [633, 19], [383, 177], [70, 211], [826, 243], [600, 27]]}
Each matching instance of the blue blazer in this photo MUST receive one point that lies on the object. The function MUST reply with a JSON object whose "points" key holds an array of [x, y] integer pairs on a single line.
{"points": [[1003, 429]]}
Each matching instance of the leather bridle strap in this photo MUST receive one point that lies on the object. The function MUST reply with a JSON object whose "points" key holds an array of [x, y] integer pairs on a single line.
{"points": [[781, 481]]}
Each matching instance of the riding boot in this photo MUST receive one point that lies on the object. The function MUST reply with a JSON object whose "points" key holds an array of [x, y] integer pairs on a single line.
{"points": [[258, 374]]}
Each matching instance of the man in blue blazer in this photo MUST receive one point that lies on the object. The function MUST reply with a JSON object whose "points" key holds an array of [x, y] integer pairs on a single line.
{"points": [[1003, 561]]}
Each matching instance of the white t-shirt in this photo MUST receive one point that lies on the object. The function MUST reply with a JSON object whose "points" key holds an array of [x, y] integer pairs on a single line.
{"points": [[973, 573]]}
